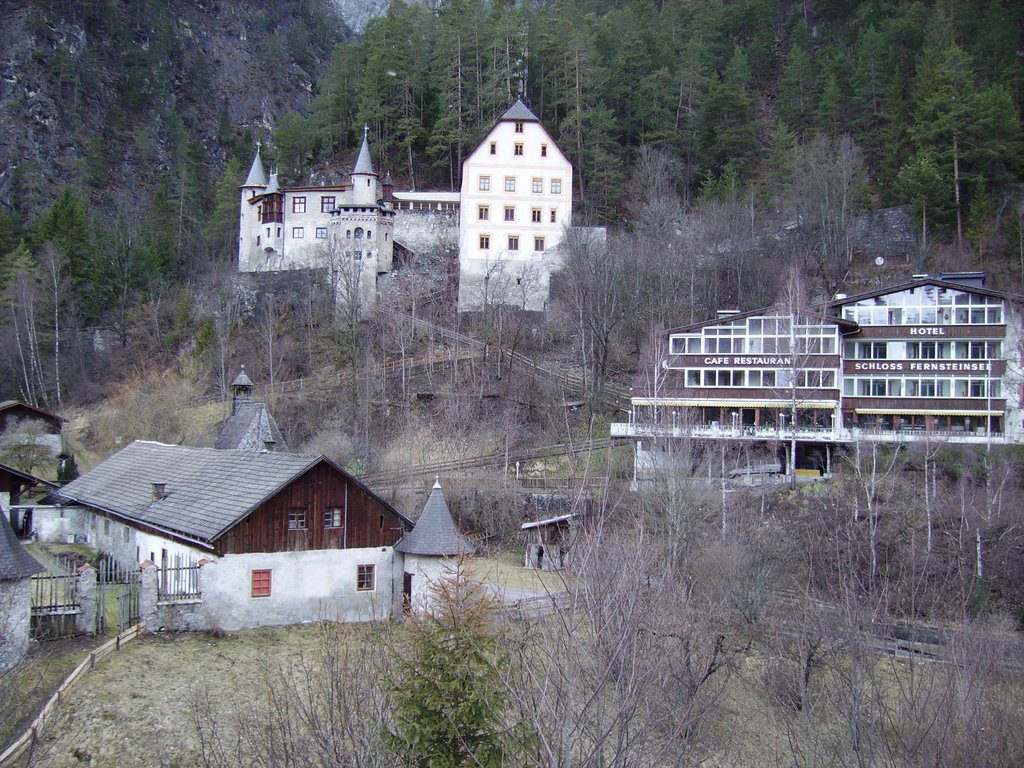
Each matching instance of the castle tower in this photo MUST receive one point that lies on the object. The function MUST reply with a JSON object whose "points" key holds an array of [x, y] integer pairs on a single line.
{"points": [[249, 218], [365, 182]]}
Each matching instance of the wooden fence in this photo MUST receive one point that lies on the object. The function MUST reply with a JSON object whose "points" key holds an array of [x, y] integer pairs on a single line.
{"points": [[28, 739], [55, 605], [178, 581]]}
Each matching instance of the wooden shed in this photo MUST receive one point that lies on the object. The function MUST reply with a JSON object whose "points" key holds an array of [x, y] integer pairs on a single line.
{"points": [[549, 542]]}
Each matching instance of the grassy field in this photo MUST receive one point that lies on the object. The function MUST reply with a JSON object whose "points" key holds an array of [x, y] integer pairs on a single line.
{"points": [[134, 709]]}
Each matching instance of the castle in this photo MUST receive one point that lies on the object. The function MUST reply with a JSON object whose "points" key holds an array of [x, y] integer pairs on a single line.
{"points": [[514, 205]]}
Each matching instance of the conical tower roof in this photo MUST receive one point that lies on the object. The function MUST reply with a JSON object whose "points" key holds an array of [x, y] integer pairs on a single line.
{"points": [[15, 561], [257, 175], [242, 379], [364, 164], [272, 187], [435, 533]]}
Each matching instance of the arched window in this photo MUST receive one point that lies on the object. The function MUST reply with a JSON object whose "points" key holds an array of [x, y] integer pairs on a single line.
{"points": [[348, 233], [359, 233], [369, 234]]}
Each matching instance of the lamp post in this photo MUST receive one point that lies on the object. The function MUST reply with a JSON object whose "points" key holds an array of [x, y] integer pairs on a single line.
{"points": [[735, 423]]}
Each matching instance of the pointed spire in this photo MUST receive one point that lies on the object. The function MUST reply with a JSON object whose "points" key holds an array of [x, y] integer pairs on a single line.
{"points": [[272, 187], [435, 534], [363, 163], [257, 175]]}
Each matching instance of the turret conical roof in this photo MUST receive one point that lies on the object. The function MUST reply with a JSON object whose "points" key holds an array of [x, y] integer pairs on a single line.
{"points": [[257, 175], [15, 561], [435, 533], [364, 164], [272, 187]]}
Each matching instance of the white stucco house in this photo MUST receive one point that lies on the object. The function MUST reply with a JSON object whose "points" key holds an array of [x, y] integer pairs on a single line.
{"points": [[516, 202], [266, 537]]}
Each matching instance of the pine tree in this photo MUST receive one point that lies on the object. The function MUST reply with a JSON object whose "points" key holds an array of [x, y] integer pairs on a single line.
{"points": [[727, 126], [796, 91], [450, 693]]}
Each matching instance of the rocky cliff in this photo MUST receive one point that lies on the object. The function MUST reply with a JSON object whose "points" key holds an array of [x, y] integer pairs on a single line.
{"points": [[117, 94]]}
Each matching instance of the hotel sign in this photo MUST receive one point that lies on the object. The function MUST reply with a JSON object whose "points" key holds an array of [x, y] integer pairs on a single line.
{"points": [[919, 366]]}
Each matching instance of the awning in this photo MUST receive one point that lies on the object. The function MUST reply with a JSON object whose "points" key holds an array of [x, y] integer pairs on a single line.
{"points": [[920, 412], [661, 402]]}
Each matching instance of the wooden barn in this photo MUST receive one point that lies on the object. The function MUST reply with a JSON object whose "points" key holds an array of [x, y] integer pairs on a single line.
{"points": [[227, 502], [259, 537]]}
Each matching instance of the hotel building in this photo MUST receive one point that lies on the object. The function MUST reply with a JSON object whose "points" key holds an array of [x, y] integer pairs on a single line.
{"points": [[934, 358]]}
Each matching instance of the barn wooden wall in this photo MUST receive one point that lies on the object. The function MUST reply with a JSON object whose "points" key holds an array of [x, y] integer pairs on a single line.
{"points": [[367, 522]]}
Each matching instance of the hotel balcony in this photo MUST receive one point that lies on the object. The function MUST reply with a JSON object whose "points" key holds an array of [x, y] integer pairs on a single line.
{"points": [[838, 435]]}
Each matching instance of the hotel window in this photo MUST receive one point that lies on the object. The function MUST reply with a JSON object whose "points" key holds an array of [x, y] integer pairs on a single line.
{"points": [[927, 388], [485, 183], [513, 242], [535, 215], [556, 186], [871, 350], [297, 519], [494, 147], [321, 233], [326, 204], [510, 183], [485, 242], [554, 216], [332, 517], [298, 233], [510, 213], [483, 213], [519, 126], [693, 378], [538, 244], [538, 186], [543, 150], [366, 577], [260, 582], [518, 150], [298, 205]]}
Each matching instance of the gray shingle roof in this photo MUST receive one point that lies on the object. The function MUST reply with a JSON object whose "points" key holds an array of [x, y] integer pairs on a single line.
{"points": [[520, 111], [257, 176], [242, 379], [15, 561], [364, 164], [207, 491], [250, 426], [435, 532]]}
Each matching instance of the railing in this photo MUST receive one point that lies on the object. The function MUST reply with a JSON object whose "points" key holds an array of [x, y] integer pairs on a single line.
{"points": [[55, 593], [818, 434], [178, 582]]}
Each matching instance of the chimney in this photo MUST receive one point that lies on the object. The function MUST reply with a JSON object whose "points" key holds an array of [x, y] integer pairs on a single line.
{"points": [[159, 491]]}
